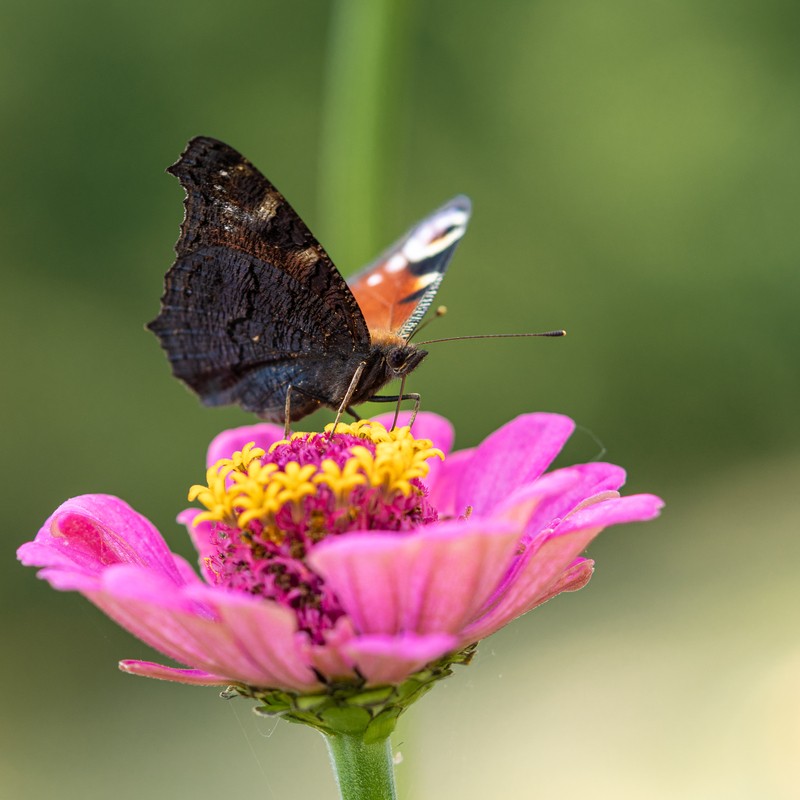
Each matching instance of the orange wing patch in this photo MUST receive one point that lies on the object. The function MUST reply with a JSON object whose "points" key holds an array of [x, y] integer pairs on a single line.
{"points": [[396, 290]]}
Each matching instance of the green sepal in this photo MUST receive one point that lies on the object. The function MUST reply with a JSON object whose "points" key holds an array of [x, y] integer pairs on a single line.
{"points": [[308, 702], [378, 694], [351, 708], [349, 720], [382, 726]]}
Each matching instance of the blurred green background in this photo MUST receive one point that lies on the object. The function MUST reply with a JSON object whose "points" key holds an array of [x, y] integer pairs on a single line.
{"points": [[635, 174]]}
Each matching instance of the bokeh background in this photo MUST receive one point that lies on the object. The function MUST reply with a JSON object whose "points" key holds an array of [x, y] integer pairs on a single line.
{"points": [[635, 173]]}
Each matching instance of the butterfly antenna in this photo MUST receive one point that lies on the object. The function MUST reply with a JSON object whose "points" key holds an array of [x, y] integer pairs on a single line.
{"points": [[494, 336], [440, 312]]}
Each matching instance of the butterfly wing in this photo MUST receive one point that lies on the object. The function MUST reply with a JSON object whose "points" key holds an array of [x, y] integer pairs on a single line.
{"points": [[396, 290], [252, 303]]}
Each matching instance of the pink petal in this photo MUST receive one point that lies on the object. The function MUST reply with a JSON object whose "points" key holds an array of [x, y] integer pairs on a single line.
{"points": [[88, 534], [225, 444], [512, 456], [525, 502], [532, 585], [148, 669], [575, 577], [444, 483], [388, 659], [590, 480], [185, 570], [542, 566], [266, 633], [202, 538], [60, 578], [524, 505], [193, 626], [329, 659], [635, 508], [153, 610], [428, 582]]}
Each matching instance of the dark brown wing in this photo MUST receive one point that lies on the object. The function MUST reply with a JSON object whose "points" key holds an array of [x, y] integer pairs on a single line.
{"points": [[396, 289], [252, 303]]}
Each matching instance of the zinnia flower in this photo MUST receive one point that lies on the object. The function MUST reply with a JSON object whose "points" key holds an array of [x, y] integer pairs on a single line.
{"points": [[342, 574]]}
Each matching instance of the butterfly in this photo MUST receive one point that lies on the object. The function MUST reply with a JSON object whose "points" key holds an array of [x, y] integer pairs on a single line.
{"points": [[254, 311]]}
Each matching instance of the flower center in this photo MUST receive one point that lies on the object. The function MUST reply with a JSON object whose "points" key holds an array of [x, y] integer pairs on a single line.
{"points": [[269, 508]]}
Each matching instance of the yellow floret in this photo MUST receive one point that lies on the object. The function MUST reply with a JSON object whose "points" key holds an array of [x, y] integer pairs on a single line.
{"points": [[254, 494], [214, 495], [294, 483], [340, 480], [241, 490], [242, 459]]}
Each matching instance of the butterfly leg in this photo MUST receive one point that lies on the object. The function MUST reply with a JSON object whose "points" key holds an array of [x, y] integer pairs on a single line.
{"points": [[398, 398], [344, 405], [287, 412], [397, 407]]}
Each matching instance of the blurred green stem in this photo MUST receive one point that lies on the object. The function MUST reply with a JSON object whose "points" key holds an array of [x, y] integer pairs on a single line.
{"points": [[363, 69], [363, 771]]}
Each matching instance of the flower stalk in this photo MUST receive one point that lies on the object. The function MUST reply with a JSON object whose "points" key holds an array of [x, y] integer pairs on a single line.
{"points": [[365, 75], [363, 770]]}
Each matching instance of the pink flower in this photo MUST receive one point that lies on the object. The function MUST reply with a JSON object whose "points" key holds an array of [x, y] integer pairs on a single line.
{"points": [[362, 575]]}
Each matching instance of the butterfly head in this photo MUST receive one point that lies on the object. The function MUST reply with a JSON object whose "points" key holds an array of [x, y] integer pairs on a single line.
{"points": [[390, 357], [402, 359], [394, 355]]}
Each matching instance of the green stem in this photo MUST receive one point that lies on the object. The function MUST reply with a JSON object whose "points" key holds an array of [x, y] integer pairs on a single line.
{"points": [[363, 74], [363, 771]]}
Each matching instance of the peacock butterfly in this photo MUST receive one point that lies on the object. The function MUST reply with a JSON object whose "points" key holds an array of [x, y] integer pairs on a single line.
{"points": [[254, 311]]}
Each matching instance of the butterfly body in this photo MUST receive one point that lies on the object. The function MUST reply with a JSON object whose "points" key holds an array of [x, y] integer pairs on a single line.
{"points": [[254, 309]]}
